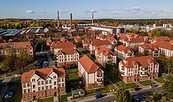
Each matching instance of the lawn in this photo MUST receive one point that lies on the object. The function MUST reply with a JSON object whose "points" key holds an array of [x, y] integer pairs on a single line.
{"points": [[72, 74], [18, 92], [148, 82], [46, 100], [106, 89], [160, 80], [119, 82]]}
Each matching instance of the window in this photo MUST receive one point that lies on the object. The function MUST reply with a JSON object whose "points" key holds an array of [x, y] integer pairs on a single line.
{"points": [[59, 80], [42, 82], [33, 91], [28, 85], [42, 88], [46, 87], [28, 90], [59, 85], [33, 86], [62, 84], [50, 86], [54, 76], [33, 80], [50, 81], [24, 85], [38, 88], [54, 87], [38, 82], [46, 81], [24, 91], [62, 79], [55, 83]]}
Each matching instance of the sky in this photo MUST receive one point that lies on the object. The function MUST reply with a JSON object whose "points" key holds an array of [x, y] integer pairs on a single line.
{"points": [[81, 9]]}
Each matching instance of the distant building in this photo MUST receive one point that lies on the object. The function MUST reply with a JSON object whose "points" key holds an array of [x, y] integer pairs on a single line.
{"points": [[161, 39], [17, 47], [151, 49], [91, 73], [109, 29], [43, 83], [138, 69]]}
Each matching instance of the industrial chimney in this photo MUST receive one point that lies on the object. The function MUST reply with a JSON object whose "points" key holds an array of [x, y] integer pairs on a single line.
{"points": [[71, 21], [92, 17], [58, 21]]}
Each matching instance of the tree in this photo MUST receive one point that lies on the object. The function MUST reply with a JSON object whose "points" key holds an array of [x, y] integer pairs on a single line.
{"points": [[122, 95], [168, 86], [5, 65]]}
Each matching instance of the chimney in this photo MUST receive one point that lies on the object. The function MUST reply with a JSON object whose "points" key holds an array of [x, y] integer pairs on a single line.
{"points": [[58, 22], [92, 17], [71, 21]]}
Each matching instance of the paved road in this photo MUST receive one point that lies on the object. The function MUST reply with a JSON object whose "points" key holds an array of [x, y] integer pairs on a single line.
{"points": [[110, 96], [51, 62]]}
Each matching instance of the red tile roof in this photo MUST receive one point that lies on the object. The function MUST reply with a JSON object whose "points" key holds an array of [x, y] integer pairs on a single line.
{"points": [[97, 42], [136, 40], [59, 44], [165, 45], [143, 61], [88, 64], [43, 73], [17, 45], [104, 50], [66, 51], [123, 48], [162, 38], [78, 38]]}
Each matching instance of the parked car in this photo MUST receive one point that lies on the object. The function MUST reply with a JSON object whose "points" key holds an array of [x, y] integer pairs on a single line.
{"points": [[8, 94], [153, 85], [99, 95], [138, 98], [137, 88]]}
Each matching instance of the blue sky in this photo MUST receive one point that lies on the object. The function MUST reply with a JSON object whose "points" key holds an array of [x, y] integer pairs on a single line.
{"points": [[81, 9]]}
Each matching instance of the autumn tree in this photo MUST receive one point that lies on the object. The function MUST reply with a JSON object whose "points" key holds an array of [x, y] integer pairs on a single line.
{"points": [[122, 95]]}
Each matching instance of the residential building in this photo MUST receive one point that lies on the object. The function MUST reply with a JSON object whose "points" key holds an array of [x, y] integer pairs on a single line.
{"points": [[151, 49], [161, 39], [104, 55], [58, 45], [91, 73], [122, 52], [43, 83], [86, 42], [166, 48], [66, 56], [97, 42], [138, 69], [17, 48]]}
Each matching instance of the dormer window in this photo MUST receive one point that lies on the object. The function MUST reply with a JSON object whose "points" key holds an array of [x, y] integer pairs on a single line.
{"points": [[33, 80], [54, 77]]}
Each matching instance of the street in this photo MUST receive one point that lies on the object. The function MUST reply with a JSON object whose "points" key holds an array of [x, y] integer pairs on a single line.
{"points": [[109, 97]]}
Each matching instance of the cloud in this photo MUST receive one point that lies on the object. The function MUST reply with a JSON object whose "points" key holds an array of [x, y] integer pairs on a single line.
{"points": [[29, 11]]}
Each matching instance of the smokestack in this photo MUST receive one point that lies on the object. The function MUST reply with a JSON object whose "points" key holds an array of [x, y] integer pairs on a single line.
{"points": [[71, 21], [58, 22], [92, 17]]}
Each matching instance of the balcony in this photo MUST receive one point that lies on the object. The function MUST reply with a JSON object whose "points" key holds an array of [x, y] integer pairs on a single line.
{"points": [[99, 80], [143, 74]]}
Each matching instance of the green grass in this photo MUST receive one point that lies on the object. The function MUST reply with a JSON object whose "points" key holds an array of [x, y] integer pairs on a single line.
{"points": [[46, 100], [160, 80], [72, 74], [148, 82], [102, 90], [119, 82], [64, 97], [18, 94]]}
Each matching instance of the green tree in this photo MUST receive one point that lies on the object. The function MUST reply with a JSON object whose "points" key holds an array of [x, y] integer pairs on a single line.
{"points": [[168, 86], [122, 95]]}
